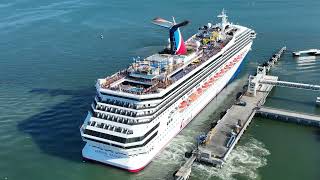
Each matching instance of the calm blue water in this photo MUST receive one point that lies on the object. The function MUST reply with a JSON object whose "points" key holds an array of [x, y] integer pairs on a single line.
{"points": [[51, 54]]}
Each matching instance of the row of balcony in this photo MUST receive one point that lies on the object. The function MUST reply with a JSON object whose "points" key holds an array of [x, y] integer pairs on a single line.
{"points": [[110, 127], [124, 104], [116, 110], [117, 119]]}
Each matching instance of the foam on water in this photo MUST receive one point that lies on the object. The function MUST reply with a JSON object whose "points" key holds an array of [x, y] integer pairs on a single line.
{"points": [[245, 160]]}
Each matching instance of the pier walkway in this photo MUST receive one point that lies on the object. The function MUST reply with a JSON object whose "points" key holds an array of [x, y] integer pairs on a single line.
{"points": [[223, 137], [184, 172], [289, 116], [292, 85]]}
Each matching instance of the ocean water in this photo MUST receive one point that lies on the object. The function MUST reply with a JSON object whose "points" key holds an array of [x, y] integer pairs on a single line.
{"points": [[51, 54]]}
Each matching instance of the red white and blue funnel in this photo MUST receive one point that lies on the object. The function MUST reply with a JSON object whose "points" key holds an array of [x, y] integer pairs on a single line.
{"points": [[177, 45]]}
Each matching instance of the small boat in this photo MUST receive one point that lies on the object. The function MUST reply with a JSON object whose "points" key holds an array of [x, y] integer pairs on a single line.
{"points": [[312, 52]]}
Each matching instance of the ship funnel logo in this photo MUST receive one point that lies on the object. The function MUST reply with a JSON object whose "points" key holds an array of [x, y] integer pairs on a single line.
{"points": [[177, 45]]}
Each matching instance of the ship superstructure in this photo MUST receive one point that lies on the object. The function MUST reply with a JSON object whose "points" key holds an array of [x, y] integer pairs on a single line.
{"points": [[138, 110]]}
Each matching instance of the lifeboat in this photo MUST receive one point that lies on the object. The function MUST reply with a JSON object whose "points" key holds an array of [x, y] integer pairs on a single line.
{"points": [[211, 80], [193, 97], [231, 64], [222, 71], [205, 85], [216, 75], [183, 105], [199, 91]]}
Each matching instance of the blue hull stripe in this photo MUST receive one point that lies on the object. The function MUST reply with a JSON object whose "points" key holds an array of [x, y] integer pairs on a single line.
{"points": [[238, 70]]}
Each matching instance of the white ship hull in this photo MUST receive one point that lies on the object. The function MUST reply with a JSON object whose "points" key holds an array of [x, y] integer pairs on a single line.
{"points": [[108, 154]]}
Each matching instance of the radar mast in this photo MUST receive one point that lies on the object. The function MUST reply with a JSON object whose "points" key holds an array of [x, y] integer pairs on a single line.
{"points": [[224, 19]]}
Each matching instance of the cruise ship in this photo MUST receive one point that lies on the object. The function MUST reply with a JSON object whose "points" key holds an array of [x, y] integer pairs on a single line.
{"points": [[138, 110]]}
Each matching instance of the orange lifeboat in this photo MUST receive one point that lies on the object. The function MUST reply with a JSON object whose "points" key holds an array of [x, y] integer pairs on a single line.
{"points": [[204, 87], [206, 84], [183, 105], [216, 75], [231, 64], [222, 71], [193, 97], [199, 91]]}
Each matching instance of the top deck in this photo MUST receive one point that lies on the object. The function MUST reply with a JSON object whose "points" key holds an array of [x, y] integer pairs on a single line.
{"points": [[157, 72]]}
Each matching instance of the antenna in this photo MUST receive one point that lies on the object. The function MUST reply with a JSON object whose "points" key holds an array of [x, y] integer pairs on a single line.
{"points": [[174, 21], [224, 19]]}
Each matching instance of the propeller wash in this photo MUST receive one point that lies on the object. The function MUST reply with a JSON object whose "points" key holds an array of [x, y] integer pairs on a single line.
{"points": [[138, 110]]}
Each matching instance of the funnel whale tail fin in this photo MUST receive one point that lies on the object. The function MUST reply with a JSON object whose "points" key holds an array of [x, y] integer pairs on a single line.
{"points": [[177, 45]]}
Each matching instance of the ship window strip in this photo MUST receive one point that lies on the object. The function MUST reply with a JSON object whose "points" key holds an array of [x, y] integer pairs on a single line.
{"points": [[119, 139], [119, 146]]}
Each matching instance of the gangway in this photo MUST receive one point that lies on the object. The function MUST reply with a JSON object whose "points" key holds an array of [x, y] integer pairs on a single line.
{"points": [[291, 84]]}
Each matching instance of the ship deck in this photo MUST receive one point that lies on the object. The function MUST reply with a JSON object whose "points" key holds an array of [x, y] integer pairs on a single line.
{"points": [[123, 81]]}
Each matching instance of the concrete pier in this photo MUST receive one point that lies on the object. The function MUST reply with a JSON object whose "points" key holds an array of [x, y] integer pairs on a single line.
{"points": [[274, 59], [223, 137], [184, 172], [289, 116]]}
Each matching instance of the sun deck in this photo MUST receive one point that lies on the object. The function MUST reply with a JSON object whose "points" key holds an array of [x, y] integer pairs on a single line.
{"points": [[159, 71]]}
